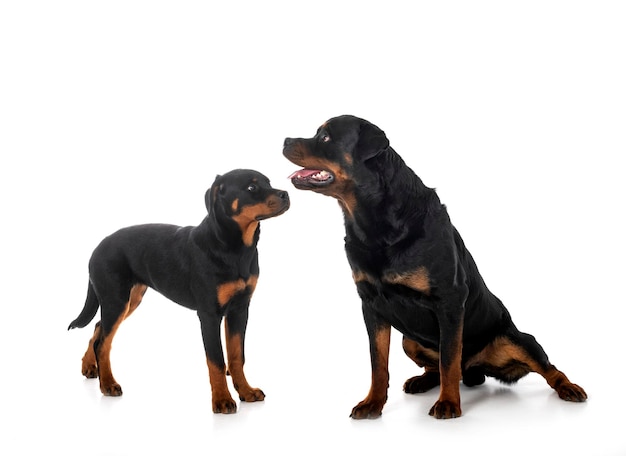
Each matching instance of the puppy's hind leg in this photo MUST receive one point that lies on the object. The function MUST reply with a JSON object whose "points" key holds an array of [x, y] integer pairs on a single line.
{"points": [[114, 312], [89, 364]]}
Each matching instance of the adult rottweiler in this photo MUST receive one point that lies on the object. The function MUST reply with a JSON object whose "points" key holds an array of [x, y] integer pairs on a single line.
{"points": [[211, 268], [413, 272]]}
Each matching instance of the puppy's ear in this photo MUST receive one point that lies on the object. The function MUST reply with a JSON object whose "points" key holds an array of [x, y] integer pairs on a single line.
{"points": [[372, 141], [211, 194]]}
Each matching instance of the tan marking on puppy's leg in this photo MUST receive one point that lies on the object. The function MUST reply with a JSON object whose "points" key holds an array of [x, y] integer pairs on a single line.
{"points": [[226, 291], [89, 364], [221, 399], [235, 350], [108, 384]]}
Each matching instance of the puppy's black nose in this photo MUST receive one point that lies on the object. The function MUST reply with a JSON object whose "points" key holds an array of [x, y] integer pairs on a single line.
{"points": [[288, 142], [283, 195]]}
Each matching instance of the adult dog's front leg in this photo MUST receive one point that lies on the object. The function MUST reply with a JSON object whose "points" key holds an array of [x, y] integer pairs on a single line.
{"points": [[379, 333], [450, 349], [221, 399]]}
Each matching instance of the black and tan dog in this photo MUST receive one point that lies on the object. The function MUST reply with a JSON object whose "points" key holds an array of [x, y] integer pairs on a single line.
{"points": [[211, 268], [413, 272]]}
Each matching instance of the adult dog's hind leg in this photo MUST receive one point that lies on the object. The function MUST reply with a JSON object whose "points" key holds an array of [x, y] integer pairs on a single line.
{"points": [[423, 357], [537, 359], [510, 357]]}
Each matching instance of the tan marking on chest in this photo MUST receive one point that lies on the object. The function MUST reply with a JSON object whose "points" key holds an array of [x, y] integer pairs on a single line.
{"points": [[417, 280], [360, 276], [226, 291]]}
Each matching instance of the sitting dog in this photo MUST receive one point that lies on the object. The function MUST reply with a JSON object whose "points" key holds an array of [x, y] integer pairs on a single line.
{"points": [[211, 268], [413, 272]]}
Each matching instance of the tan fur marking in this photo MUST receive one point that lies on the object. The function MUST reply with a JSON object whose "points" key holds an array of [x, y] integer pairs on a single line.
{"points": [[360, 276], [380, 369], [248, 217], [235, 205], [422, 356], [234, 348], [226, 291], [221, 399], [500, 352], [108, 384], [89, 363], [343, 187], [417, 280]]}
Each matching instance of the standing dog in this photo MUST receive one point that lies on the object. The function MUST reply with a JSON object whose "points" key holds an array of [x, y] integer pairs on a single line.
{"points": [[211, 268], [413, 272]]}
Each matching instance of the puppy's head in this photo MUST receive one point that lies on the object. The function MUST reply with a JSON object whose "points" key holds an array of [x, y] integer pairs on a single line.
{"points": [[246, 197], [335, 159]]}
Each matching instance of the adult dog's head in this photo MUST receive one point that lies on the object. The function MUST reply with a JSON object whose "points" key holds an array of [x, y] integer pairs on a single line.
{"points": [[335, 160]]}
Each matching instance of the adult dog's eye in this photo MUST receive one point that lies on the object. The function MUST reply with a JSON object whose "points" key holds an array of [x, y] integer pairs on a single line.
{"points": [[252, 188], [325, 138]]}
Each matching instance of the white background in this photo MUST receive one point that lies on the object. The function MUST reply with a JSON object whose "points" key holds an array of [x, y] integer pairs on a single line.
{"points": [[122, 112]]}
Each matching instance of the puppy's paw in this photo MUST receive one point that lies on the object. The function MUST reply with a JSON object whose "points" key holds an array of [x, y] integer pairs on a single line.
{"points": [[90, 370], [113, 389], [445, 410], [252, 395], [224, 405]]}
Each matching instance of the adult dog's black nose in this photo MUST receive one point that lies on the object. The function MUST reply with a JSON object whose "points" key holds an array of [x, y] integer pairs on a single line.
{"points": [[288, 142]]}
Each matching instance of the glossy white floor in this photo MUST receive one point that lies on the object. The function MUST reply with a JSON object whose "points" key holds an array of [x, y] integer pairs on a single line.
{"points": [[121, 114]]}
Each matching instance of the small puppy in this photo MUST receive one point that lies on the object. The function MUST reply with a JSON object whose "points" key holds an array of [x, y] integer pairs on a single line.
{"points": [[211, 268]]}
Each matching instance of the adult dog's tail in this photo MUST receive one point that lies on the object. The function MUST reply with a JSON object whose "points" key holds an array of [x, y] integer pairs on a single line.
{"points": [[88, 312]]}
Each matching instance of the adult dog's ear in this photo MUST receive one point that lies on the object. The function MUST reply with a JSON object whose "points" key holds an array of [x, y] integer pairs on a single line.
{"points": [[372, 141], [211, 194]]}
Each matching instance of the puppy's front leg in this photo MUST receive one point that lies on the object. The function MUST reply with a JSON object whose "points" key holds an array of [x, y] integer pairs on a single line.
{"points": [[236, 323], [221, 399], [379, 333]]}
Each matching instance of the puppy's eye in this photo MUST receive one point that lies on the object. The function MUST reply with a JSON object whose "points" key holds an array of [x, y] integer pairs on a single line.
{"points": [[325, 138], [253, 187]]}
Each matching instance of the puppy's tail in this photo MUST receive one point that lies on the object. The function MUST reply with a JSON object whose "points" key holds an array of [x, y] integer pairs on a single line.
{"points": [[88, 312]]}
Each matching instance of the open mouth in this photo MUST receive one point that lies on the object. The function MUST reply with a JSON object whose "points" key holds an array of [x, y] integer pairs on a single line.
{"points": [[312, 178]]}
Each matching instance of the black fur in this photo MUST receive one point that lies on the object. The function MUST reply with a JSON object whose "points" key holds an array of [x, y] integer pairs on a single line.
{"points": [[413, 272], [211, 268]]}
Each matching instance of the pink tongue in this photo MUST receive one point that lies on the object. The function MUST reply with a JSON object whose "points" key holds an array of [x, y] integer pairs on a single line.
{"points": [[304, 173]]}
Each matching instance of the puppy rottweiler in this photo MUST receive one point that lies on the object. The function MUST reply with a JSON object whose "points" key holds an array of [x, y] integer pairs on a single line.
{"points": [[413, 272], [211, 268]]}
